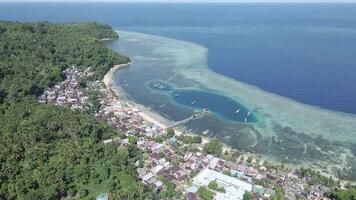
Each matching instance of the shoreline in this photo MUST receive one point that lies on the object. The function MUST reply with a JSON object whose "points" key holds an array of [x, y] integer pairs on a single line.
{"points": [[154, 118], [194, 72], [143, 111], [146, 114]]}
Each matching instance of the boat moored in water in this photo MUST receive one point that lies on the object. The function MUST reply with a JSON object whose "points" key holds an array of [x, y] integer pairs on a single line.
{"points": [[161, 106]]}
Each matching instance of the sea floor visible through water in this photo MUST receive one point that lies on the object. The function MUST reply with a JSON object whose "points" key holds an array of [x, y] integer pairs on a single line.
{"points": [[172, 78]]}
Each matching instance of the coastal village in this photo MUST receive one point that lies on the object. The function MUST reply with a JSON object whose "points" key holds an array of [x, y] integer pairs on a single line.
{"points": [[177, 160]]}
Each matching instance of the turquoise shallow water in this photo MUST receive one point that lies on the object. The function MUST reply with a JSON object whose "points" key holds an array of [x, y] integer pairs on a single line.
{"points": [[223, 107], [281, 62], [172, 77], [301, 51]]}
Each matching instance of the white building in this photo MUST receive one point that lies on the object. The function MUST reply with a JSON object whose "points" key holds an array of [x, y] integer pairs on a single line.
{"points": [[234, 187]]}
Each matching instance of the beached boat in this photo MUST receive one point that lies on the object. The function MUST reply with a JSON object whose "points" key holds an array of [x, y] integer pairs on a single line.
{"points": [[206, 131]]}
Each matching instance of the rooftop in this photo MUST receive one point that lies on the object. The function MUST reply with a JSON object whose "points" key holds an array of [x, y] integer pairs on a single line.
{"points": [[235, 188]]}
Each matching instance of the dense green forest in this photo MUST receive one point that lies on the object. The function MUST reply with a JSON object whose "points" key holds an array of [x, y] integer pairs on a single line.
{"points": [[344, 194], [49, 152], [33, 55]]}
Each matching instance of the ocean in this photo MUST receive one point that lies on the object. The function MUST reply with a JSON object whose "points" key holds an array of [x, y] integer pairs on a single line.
{"points": [[301, 51], [279, 79]]}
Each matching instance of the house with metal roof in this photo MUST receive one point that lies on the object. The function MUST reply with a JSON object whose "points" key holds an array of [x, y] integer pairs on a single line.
{"points": [[234, 187]]}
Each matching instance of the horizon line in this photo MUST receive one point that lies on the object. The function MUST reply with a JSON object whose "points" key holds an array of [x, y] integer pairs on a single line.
{"points": [[179, 1]]}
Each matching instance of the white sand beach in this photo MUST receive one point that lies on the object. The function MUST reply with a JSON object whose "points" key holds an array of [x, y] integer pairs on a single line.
{"points": [[144, 112]]}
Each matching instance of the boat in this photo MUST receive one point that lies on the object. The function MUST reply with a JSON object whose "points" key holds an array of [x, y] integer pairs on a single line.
{"points": [[248, 114], [206, 132], [193, 102], [245, 119], [161, 106], [237, 111], [162, 87], [176, 95]]}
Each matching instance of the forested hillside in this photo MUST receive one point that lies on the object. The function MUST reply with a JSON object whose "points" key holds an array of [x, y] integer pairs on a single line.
{"points": [[49, 152]]}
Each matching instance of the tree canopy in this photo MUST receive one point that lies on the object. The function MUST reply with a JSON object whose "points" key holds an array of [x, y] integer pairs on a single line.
{"points": [[248, 196], [50, 152], [213, 147], [33, 55], [344, 194], [205, 194]]}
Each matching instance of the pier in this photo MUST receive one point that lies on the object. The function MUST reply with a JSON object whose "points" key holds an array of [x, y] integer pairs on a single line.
{"points": [[178, 123], [193, 117]]}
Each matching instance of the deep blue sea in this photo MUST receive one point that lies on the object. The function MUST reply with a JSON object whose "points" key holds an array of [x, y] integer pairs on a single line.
{"points": [[306, 52]]}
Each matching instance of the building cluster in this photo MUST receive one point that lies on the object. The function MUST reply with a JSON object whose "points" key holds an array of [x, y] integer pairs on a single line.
{"points": [[191, 170], [123, 116], [68, 91], [234, 177], [171, 159]]}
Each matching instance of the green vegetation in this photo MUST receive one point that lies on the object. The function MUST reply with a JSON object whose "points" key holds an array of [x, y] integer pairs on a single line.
{"points": [[213, 147], [249, 159], [133, 139], [314, 177], [227, 172], [94, 101], [221, 189], [33, 55], [170, 132], [248, 196], [279, 195], [192, 174], [213, 185], [50, 152], [205, 194], [233, 155], [344, 194], [187, 139], [169, 191]]}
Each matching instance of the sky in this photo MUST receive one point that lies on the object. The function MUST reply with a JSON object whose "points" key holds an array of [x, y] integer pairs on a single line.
{"points": [[194, 1]]}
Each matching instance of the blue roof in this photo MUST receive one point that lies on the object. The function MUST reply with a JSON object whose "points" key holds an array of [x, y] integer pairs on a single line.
{"points": [[237, 173], [101, 195], [173, 139]]}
